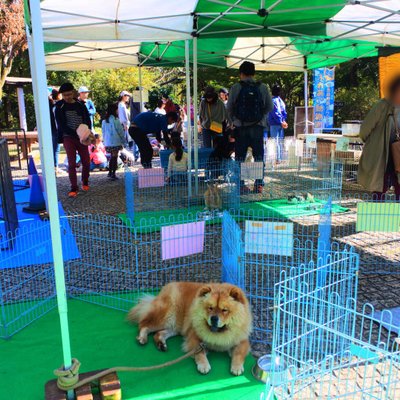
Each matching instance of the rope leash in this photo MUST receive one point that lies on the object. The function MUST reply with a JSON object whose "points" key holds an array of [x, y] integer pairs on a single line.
{"points": [[68, 379]]}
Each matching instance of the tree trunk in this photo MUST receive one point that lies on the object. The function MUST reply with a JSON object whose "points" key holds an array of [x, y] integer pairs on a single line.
{"points": [[3, 76]]}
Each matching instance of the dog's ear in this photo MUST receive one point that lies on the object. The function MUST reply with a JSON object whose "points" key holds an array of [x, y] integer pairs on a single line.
{"points": [[237, 295], [204, 290]]}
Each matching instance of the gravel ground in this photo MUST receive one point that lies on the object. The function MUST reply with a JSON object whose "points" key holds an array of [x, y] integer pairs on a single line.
{"points": [[110, 253]]}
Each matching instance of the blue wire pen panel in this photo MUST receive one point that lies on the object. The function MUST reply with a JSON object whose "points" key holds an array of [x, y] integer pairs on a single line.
{"points": [[324, 347], [215, 187]]}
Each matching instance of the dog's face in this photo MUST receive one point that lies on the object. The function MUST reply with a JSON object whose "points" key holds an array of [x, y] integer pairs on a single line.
{"points": [[220, 308]]}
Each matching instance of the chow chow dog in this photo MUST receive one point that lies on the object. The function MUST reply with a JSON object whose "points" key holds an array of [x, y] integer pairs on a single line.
{"points": [[217, 315]]}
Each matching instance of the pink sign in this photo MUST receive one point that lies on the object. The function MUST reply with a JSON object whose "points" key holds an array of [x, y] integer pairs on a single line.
{"points": [[151, 177], [182, 240]]}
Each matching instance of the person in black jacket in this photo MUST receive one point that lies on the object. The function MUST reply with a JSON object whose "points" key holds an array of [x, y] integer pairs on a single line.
{"points": [[70, 113], [53, 98]]}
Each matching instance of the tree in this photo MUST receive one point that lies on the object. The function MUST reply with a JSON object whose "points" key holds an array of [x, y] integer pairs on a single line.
{"points": [[105, 84], [12, 36]]}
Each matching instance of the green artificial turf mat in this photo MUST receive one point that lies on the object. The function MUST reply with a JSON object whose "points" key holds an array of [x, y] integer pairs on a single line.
{"points": [[101, 338], [281, 208], [151, 221]]}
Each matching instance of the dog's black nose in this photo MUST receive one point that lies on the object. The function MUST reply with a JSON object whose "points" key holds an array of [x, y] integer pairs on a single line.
{"points": [[214, 320]]}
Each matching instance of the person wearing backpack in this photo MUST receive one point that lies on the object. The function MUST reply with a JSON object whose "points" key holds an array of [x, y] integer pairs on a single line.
{"points": [[248, 106]]}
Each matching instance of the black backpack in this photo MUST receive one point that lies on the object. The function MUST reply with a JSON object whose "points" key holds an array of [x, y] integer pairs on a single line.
{"points": [[249, 106]]}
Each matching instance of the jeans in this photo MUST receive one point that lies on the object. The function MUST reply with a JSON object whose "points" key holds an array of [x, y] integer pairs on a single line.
{"points": [[389, 178], [208, 136], [276, 132], [132, 145], [94, 166], [143, 143], [250, 136], [72, 145], [56, 149]]}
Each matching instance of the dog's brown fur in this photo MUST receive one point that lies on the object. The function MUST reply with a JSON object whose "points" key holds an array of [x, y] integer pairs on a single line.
{"points": [[191, 310]]}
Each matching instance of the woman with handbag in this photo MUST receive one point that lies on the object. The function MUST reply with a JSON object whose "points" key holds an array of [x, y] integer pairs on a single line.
{"points": [[212, 115], [379, 167]]}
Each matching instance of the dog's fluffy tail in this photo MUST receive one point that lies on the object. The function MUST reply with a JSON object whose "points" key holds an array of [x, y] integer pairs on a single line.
{"points": [[141, 309]]}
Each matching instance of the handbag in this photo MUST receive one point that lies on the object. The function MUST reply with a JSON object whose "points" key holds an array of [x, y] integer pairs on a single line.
{"points": [[214, 126], [395, 149]]}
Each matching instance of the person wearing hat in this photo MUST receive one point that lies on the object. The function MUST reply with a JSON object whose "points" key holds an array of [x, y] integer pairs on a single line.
{"points": [[125, 119], [70, 114], [212, 116], [84, 98], [248, 106]]}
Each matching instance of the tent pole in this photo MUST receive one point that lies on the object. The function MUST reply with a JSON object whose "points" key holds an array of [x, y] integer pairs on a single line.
{"points": [[196, 133], [306, 100], [189, 125], [38, 73], [140, 89]]}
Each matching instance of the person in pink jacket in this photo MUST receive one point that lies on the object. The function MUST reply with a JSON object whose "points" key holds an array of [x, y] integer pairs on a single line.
{"points": [[97, 152]]}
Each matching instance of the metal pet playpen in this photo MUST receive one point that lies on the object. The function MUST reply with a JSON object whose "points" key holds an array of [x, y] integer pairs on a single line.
{"points": [[324, 346], [112, 265]]}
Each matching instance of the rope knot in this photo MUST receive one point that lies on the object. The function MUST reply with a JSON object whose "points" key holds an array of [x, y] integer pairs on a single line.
{"points": [[67, 378]]}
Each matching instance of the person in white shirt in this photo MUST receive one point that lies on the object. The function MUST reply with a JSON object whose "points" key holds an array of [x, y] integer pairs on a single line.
{"points": [[125, 119], [177, 163], [160, 109]]}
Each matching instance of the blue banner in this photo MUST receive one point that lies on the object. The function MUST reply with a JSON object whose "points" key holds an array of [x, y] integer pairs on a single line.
{"points": [[323, 98]]}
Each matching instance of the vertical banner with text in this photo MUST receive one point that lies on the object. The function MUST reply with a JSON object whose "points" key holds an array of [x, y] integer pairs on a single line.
{"points": [[323, 98]]}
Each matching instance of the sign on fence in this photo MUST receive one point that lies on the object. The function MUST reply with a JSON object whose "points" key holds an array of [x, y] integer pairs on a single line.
{"points": [[151, 177], [252, 170], [378, 217], [182, 240], [274, 238]]}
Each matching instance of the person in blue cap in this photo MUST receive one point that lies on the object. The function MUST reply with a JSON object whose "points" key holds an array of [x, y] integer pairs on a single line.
{"points": [[84, 98]]}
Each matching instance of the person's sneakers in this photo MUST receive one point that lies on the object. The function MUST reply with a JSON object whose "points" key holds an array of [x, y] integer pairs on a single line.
{"points": [[244, 190], [85, 188], [72, 194]]}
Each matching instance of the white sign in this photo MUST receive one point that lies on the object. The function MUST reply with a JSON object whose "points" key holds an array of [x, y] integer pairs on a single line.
{"points": [[311, 142], [299, 148], [252, 170], [275, 238]]}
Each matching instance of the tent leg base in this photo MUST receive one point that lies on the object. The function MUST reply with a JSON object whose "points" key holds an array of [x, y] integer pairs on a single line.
{"points": [[108, 387]]}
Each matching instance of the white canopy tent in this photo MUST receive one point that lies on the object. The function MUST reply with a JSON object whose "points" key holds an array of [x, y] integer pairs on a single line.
{"points": [[102, 20], [374, 21], [82, 28], [94, 55]]}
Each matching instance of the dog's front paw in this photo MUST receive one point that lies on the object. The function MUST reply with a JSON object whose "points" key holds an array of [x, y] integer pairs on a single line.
{"points": [[161, 346], [204, 367], [237, 369], [141, 339]]}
